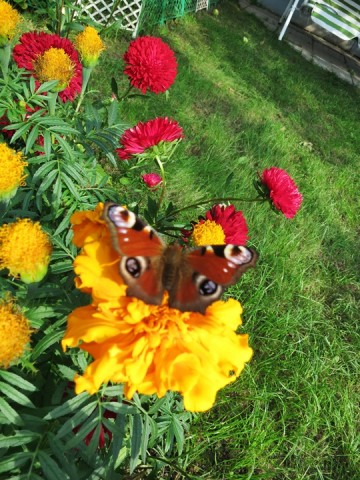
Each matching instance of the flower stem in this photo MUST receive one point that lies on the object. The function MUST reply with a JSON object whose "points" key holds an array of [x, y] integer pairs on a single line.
{"points": [[130, 87], [163, 189], [52, 97], [214, 200], [86, 72], [5, 53]]}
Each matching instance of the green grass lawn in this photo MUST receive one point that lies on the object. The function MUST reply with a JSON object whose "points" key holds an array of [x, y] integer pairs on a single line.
{"points": [[246, 102]]}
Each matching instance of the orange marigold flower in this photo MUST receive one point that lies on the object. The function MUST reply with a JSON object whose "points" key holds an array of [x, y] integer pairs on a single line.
{"points": [[89, 45], [11, 171], [9, 20], [14, 333], [149, 348], [25, 250]]}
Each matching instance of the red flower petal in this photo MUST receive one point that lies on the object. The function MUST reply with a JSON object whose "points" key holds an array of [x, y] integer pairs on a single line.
{"points": [[151, 64], [33, 44], [145, 135], [232, 222], [151, 180], [282, 191]]}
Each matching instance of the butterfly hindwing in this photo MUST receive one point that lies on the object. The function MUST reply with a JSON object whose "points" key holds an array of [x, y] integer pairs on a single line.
{"points": [[205, 272], [140, 249]]}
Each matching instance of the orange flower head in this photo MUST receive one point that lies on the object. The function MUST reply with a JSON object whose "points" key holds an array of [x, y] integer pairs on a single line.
{"points": [[11, 171], [89, 46], [14, 333], [25, 250], [149, 348], [9, 20]]}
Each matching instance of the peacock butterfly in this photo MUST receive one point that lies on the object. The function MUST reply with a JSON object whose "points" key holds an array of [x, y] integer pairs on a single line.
{"points": [[194, 278]]}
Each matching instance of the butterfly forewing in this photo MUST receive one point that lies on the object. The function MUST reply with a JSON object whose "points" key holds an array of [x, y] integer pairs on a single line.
{"points": [[130, 235]]}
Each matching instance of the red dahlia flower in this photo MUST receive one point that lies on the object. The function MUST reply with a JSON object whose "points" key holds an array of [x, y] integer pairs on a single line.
{"points": [[282, 191], [151, 180], [222, 225], [136, 140], [151, 64], [50, 57]]}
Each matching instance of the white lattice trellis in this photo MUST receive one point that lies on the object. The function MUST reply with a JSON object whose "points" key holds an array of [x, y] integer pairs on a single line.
{"points": [[201, 4], [127, 11]]}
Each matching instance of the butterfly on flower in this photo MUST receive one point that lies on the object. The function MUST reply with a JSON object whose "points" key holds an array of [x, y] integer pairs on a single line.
{"points": [[193, 278]]}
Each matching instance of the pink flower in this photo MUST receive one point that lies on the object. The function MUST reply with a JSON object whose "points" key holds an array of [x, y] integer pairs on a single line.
{"points": [[282, 191], [151, 64], [146, 135], [151, 180]]}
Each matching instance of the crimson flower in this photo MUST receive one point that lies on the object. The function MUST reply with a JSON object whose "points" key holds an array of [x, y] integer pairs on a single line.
{"points": [[50, 57], [151, 64], [151, 180], [282, 191], [145, 135], [222, 225]]}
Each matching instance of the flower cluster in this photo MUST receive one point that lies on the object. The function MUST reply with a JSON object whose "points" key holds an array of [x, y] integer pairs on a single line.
{"points": [[12, 173], [9, 20], [150, 348], [14, 332], [150, 64], [89, 45], [25, 250], [50, 57], [145, 135]]}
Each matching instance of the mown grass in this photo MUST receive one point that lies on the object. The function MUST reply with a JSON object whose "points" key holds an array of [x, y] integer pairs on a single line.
{"points": [[247, 102]]}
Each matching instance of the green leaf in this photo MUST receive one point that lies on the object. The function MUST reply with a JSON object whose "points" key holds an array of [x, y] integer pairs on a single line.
{"points": [[15, 395], [9, 413], [113, 112], [47, 144], [145, 438], [45, 184], [16, 380], [22, 437], [46, 86], [80, 417], [117, 407], [135, 441], [33, 135], [65, 146], [114, 86], [70, 406], [50, 467], [14, 461], [19, 132], [44, 170], [46, 342], [70, 184]]}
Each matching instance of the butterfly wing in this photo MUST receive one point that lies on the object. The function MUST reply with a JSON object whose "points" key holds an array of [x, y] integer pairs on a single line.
{"points": [[206, 271], [140, 249]]}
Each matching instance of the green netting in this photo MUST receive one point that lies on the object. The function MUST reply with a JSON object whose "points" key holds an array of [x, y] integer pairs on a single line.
{"points": [[159, 11]]}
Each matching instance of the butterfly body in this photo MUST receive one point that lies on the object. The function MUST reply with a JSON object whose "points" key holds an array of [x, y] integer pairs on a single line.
{"points": [[193, 278]]}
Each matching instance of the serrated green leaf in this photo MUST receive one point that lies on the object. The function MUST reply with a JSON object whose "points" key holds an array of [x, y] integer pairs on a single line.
{"points": [[46, 342], [14, 461], [85, 420], [74, 174], [9, 413], [47, 144], [145, 438], [117, 407], [56, 195], [44, 170], [31, 138], [16, 380], [113, 112], [58, 449], [135, 445], [19, 131], [50, 467], [65, 146], [15, 395], [70, 185], [46, 86], [22, 437], [45, 184], [70, 406]]}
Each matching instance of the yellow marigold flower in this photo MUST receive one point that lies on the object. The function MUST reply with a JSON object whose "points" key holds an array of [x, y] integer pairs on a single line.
{"points": [[9, 20], [89, 45], [208, 233], [55, 64], [11, 171], [25, 250], [14, 333], [149, 348]]}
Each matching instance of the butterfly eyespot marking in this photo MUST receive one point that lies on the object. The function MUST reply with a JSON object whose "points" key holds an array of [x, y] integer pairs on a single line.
{"points": [[206, 287], [133, 266], [238, 254]]}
